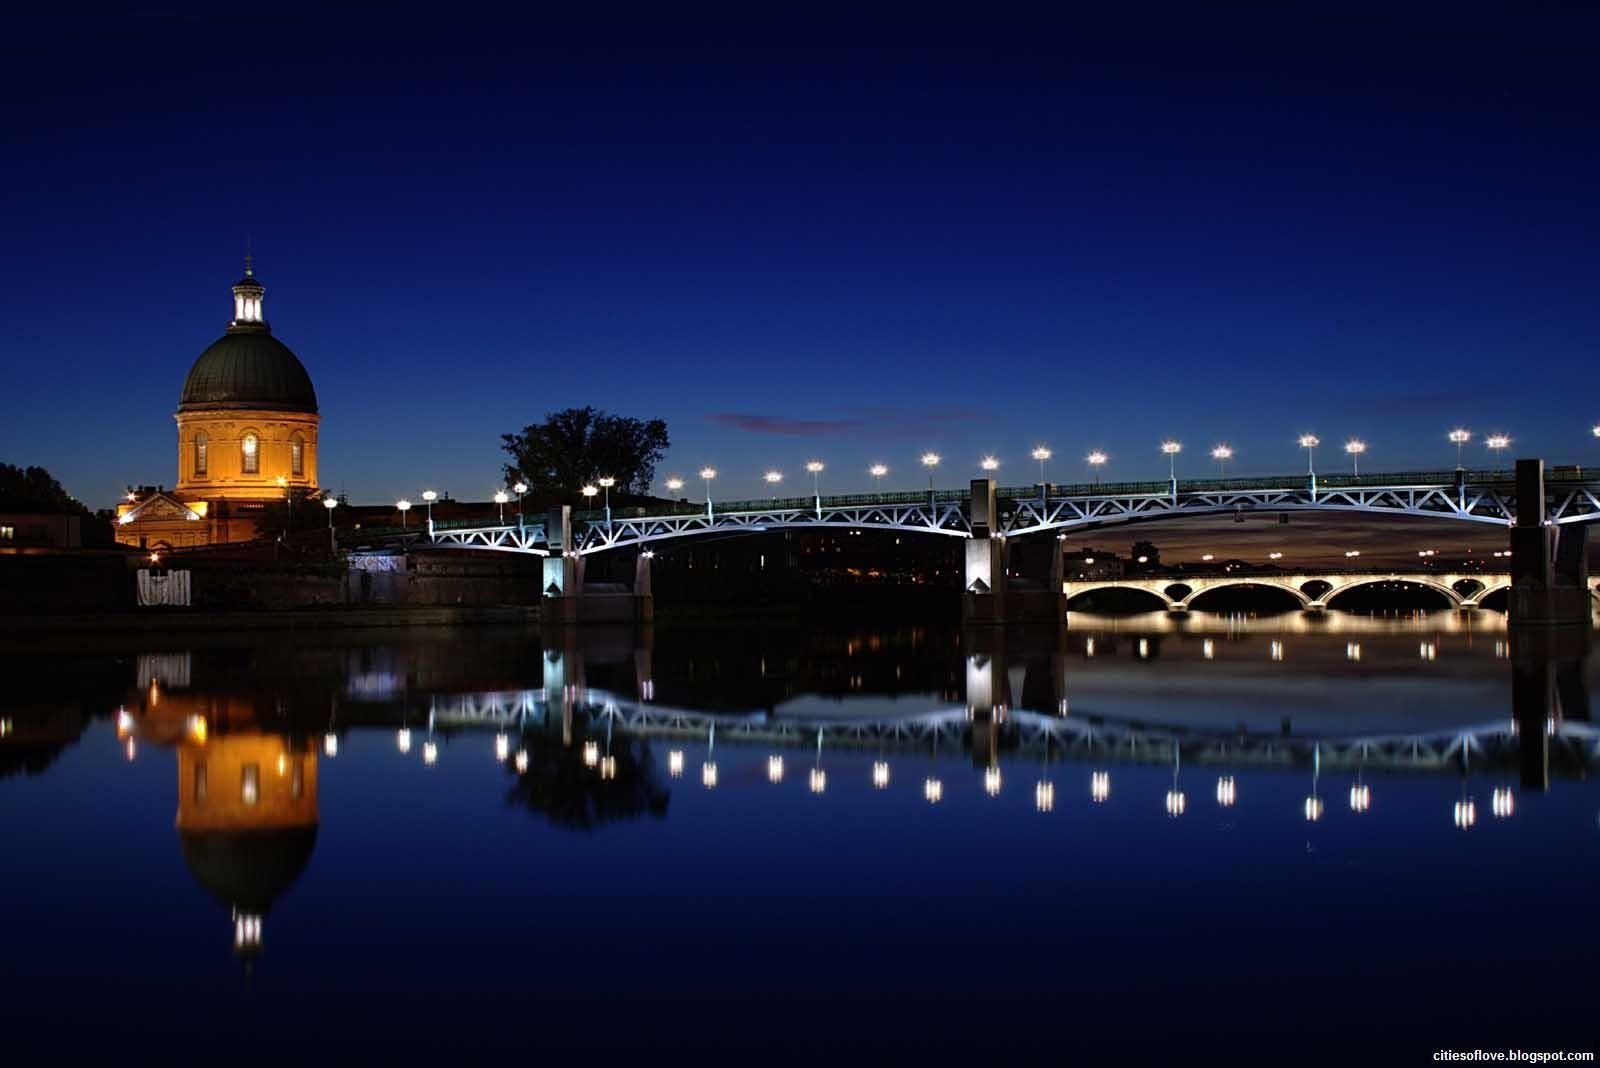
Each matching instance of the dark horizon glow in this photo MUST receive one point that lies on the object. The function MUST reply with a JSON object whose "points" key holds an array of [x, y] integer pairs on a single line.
{"points": [[852, 239]]}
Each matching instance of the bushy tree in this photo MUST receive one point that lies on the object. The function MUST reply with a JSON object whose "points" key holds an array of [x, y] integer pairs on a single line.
{"points": [[24, 489], [576, 446]]}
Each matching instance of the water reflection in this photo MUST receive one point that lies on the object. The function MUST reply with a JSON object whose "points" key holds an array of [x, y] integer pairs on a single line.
{"points": [[578, 730]]}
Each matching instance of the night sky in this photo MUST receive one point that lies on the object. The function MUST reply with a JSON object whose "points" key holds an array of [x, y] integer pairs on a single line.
{"points": [[851, 236]]}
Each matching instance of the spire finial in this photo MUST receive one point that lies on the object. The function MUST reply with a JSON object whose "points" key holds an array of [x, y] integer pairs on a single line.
{"points": [[249, 260]]}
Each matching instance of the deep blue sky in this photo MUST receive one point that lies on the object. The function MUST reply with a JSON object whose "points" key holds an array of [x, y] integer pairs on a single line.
{"points": [[852, 236]]}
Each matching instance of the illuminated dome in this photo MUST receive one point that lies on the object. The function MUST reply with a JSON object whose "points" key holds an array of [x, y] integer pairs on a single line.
{"points": [[248, 370], [248, 870], [247, 367]]}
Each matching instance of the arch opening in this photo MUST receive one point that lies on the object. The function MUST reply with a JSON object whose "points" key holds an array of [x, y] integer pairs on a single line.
{"points": [[1117, 601], [1389, 596], [1247, 597]]}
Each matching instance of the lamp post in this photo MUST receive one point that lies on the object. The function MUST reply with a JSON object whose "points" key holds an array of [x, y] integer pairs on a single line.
{"points": [[500, 499], [1172, 449], [1096, 461], [930, 460], [1497, 443], [1309, 442], [674, 484], [521, 488], [1222, 454], [1355, 447], [607, 483], [330, 504], [404, 506], [989, 463], [773, 478], [815, 467], [1459, 438], [708, 473], [590, 492], [1042, 453], [429, 497], [877, 471]]}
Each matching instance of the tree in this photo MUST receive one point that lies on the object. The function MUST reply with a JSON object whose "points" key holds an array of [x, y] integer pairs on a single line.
{"points": [[574, 447], [33, 489], [1148, 550]]}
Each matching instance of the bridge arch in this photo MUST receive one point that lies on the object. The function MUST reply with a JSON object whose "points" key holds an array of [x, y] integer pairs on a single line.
{"points": [[1451, 597], [1264, 582]]}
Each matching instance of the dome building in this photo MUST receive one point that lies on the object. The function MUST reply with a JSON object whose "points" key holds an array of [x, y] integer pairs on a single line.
{"points": [[247, 436]]}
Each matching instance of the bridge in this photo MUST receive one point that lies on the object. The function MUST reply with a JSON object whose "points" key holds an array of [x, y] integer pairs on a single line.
{"points": [[1314, 590], [1547, 516]]}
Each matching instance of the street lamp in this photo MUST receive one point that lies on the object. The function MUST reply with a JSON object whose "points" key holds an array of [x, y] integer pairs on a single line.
{"points": [[1222, 454], [877, 471], [500, 499], [773, 478], [404, 506], [330, 504], [815, 467], [521, 488], [1096, 461], [674, 483], [1309, 442], [429, 496], [590, 492], [708, 473], [1355, 448], [1172, 449], [930, 460], [608, 482], [1459, 438], [989, 463], [1041, 453], [1497, 444]]}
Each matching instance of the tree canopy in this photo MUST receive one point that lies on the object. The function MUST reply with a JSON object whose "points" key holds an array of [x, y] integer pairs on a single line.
{"points": [[33, 489], [577, 446]]}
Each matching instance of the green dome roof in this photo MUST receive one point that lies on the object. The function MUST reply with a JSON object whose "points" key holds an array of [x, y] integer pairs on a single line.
{"points": [[248, 369], [248, 870]]}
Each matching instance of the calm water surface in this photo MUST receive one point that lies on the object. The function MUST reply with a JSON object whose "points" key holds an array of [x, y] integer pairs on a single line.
{"points": [[1137, 836]]}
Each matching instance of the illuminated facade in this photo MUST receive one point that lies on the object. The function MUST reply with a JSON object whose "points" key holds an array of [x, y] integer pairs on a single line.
{"points": [[247, 437]]}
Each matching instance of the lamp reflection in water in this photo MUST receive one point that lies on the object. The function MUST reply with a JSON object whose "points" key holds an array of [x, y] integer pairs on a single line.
{"points": [[430, 752], [819, 778], [880, 774], [774, 768], [502, 747], [1360, 797], [1176, 801], [1099, 786], [1313, 805], [330, 744], [591, 753], [1227, 791], [932, 790], [991, 780], [521, 760], [1466, 813], [402, 739], [708, 769], [675, 763], [1502, 803], [1044, 791]]}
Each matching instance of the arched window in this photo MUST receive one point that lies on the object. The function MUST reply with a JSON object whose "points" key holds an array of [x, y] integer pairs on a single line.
{"points": [[297, 456], [250, 452], [201, 447]]}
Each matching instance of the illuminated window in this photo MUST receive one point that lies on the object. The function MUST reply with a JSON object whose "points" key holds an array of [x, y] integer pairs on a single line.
{"points": [[8, 533], [250, 447], [201, 446], [297, 455], [250, 784], [200, 783]]}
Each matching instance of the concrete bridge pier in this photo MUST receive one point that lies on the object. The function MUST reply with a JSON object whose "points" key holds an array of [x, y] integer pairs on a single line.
{"points": [[983, 598], [1549, 563], [565, 600]]}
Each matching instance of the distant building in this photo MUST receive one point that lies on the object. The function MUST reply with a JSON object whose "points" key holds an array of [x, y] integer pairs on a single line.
{"points": [[247, 437], [40, 530], [1092, 565]]}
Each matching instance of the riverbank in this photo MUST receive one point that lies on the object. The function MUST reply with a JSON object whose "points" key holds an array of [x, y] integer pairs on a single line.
{"points": [[187, 620]]}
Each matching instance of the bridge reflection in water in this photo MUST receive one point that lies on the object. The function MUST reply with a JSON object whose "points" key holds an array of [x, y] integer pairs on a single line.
{"points": [[595, 736]]}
